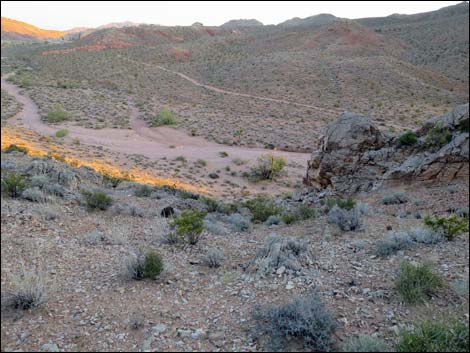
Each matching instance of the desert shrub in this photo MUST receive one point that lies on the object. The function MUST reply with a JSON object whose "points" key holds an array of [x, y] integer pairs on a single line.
{"points": [[190, 225], [130, 210], [213, 175], [165, 117], [181, 159], [461, 287], [144, 265], [57, 114], [404, 239], [305, 212], [288, 217], [304, 318], [34, 195], [347, 204], [93, 238], [213, 222], [185, 194], [211, 204], [438, 136], [13, 184], [346, 220], [462, 211], [97, 200], [55, 189], [432, 336], [262, 206], [200, 163], [449, 227], [223, 154], [171, 238], [28, 291], [394, 199], [112, 180], [213, 258], [238, 161], [62, 133], [238, 222], [269, 167], [15, 148], [394, 242], [464, 126], [39, 181], [408, 138], [417, 283], [365, 344], [143, 191], [273, 219]]}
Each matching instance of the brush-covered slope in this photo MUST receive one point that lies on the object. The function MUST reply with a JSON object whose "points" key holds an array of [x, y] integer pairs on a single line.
{"points": [[17, 30]]}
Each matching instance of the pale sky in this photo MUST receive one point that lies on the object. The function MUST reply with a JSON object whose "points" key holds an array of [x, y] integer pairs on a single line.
{"points": [[62, 15]]}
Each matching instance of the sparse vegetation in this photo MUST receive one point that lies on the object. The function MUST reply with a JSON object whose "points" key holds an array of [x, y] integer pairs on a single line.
{"points": [[213, 258], [365, 344], [28, 291], [438, 136], [397, 198], [262, 206], [143, 191], [16, 148], [144, 265], [345, 219]]}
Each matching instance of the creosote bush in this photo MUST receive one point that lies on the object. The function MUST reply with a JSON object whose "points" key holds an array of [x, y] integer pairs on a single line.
{"points": [[143, 191], [438, 136], [269, 167], [409, 138], [165, 117], [449, 227], [144, 265], [213, 258], [62, 133], [417, 283], [305, 319], [97, 200], [190, 225], [432, 336], [57, 114], [262, 206], [13, 184]]}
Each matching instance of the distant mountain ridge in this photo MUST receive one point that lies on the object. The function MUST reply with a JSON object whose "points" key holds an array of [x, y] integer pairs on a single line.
{"points": [[316, 20], [17, 30], [241, 23]]}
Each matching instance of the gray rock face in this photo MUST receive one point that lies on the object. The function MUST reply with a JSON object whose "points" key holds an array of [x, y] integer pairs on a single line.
{"points": [[353, 155]]}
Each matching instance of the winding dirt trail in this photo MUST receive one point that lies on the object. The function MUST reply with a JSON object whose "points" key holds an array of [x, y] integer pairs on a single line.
{"points": [[153, 143], [232, 93]]}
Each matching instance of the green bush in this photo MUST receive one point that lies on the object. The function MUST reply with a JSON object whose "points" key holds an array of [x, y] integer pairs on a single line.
{"points": [[15, 148], [431, 336], [148, 265], [269, 167], [262, 206], [153, 264], [62, 133], [57, 114], [190, 225], [165, 117], [438, 136], [417, 283], [97, 200], [13, 184], [449, 227], [409, 138]]}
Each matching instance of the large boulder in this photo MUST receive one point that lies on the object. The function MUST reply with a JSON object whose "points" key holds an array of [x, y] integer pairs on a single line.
{"points": [[354, 155]]}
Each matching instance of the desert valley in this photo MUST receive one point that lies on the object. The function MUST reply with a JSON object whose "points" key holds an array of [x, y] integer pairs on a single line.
{"points": [[302, 186]]}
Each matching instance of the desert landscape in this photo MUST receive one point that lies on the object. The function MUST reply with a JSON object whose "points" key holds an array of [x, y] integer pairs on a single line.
{"points": [[300, 186]]}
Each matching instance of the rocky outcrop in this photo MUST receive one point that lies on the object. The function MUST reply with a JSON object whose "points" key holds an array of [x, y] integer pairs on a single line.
{"points": [[354, 155]]}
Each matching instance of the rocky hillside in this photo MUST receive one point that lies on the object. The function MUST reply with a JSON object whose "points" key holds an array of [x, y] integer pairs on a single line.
{"points": [[241, 23], [354, 155], [316, 20]]}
